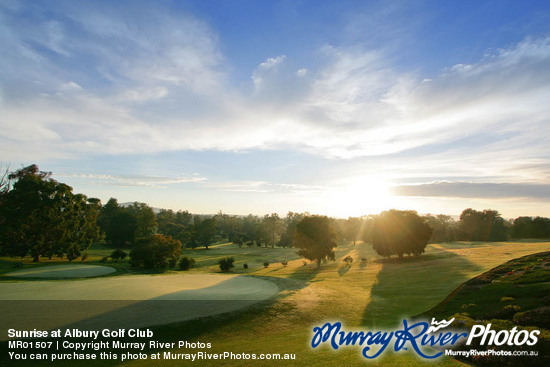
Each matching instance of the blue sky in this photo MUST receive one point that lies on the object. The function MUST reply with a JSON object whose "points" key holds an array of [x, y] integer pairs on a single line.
{"points": [[334, 107]]}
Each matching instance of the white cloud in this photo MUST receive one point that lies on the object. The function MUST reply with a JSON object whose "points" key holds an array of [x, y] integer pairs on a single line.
{"points": [[144, 181], [69, 87], [162, 85], [265, 70]]}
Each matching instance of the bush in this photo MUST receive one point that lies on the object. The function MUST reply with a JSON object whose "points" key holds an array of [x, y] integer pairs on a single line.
{"points": [[245, 266], [155, 252], [104, 259], [348, 260], [266, 264], [226, 263], [186, 263], [538, 318], [505, 313], [284, 263], [84, 257], [118, 255]]}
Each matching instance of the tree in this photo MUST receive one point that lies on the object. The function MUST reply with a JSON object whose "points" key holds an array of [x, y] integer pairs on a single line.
{"points": [[42, 216], [146, 220], [118, 254], [290, 221], [315, 238], [522, 227], [397, 232], [486, 225], [541, 227], [352, 229], [122, 229], [186, 263], [271, 225], [226, 263], [155, 252], [443, 226], [202, 231]]}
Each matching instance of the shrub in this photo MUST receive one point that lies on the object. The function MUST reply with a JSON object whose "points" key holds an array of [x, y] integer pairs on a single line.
{"points": [[226, 263], [478, 281], [84, 257], [538, 318], [284, 263], [186, 263], [245, 266], [104, 259], [155, 252], [305, 263], [118, 255], [505, 313], [348, 260], [266, 264], [504, 299]]}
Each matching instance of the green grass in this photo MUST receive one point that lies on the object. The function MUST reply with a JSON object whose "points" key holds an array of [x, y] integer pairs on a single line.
{"points": [[518, 285], [377, 295]]}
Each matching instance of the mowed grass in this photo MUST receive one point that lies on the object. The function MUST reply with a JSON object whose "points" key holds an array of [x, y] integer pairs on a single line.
{"points": [[378, 294]]}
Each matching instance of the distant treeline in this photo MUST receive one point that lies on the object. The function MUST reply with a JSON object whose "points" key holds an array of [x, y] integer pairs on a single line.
{"points": [[42, 217]]}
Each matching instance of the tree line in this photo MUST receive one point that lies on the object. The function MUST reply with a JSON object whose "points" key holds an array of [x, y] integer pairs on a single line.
{"points": [[40, 216]]}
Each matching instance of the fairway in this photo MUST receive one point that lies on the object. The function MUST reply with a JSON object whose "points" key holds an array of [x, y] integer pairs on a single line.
{"points": [[63, 271], [371, 296], [127, 301]]}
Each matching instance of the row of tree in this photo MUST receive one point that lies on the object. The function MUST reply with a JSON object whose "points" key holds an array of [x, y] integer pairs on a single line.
{"points": [[43, 217]]}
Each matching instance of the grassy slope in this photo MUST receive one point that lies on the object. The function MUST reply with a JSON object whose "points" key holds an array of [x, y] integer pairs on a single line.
{"points": [[372, 296], [377, 295]]}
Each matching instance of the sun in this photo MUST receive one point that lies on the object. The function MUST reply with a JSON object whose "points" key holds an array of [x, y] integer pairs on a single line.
{"points": [[367, 195]]}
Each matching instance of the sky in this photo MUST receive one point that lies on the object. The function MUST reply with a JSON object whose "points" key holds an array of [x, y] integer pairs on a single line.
{"points": [[342, 108]]}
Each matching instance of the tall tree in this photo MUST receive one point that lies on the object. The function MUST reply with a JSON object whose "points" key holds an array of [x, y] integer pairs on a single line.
{"points": [[486, 225], [290, 222], [146, 220], [155, 251], [399, 232], [41, 216], [272, 226], [315, 238], [352, 229], [202, 231]]}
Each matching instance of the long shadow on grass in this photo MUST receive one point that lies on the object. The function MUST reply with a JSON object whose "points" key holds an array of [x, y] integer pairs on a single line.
{"points": [[236, 314], [408, 286]]}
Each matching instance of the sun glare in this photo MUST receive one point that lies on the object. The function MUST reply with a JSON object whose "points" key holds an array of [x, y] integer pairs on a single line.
{"points": [[367, 195]]}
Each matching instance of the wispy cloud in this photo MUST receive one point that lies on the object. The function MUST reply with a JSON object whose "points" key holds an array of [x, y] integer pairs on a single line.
{"points": [[264, 187], [144, 181], [91, 81], [475, 190]]}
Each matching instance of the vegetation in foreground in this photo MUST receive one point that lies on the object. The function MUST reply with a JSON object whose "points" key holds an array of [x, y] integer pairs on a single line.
{"points": [[372, 294], [514, 294]]}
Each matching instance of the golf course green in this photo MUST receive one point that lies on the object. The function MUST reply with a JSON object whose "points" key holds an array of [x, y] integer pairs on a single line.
{"points": [[227, 310]]}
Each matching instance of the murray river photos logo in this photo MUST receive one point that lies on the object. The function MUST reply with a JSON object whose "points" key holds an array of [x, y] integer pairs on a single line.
{"points": [[417, 337]]}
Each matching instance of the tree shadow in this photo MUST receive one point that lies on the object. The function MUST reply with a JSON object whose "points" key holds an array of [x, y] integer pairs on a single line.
{"points": [[409, 286], [343, 270], [163, 314]]}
